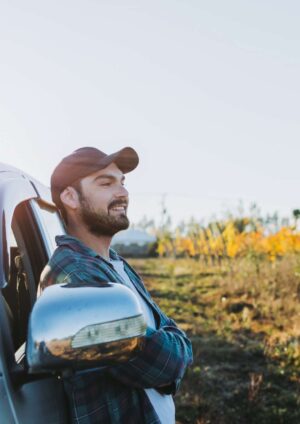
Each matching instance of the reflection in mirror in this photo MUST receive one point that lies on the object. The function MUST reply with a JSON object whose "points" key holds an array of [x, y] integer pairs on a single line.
{"points": [[76, 327]]}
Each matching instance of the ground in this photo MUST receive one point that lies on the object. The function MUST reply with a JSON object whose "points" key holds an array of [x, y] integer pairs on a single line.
{"points": [[244, 322]]}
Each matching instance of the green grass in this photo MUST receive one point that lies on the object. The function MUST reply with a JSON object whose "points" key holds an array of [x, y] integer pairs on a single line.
{"points": [[245, 329]]}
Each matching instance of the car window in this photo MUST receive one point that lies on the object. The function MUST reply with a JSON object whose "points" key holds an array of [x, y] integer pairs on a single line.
{"points": [[49, 222], [30, 243], [16, 293]]}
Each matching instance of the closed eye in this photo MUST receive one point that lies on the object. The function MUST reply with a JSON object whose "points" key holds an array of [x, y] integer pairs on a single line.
{"points": [[107, 180]]}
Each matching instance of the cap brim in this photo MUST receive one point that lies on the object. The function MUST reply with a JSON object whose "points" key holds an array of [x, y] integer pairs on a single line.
{"points": [[126, 159]]}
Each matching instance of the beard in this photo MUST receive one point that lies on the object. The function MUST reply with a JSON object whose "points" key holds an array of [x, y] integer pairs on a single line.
{"points": [[101, 223]]}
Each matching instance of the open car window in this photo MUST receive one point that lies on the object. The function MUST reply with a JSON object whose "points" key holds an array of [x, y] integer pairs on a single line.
{"points": [[49, 222], [31, 241]]}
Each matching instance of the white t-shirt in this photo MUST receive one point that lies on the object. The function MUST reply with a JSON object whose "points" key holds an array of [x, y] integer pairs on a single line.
{"points": [[163, 404]]}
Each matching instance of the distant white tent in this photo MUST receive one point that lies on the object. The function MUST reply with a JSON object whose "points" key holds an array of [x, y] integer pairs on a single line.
{"points": [[133, 242], [133, 236]]}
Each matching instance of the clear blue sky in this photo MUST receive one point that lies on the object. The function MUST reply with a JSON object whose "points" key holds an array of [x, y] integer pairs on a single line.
{"points": [[207, 92]]}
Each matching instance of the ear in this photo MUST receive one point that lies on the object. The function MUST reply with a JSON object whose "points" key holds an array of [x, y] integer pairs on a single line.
{"points": [[70, 198]]}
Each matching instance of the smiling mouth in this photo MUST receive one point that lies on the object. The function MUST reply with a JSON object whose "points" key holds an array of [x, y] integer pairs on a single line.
{"points": [[118, 208]]}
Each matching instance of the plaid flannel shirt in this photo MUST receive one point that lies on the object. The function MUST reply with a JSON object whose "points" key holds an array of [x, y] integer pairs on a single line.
{"points": [[116, 394]]}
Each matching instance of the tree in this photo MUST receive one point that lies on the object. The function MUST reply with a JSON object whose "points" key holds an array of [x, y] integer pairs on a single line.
{"points": [[296, 215]]}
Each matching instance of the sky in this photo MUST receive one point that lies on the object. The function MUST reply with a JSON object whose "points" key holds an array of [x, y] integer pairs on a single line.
{"points": [[207, 92]]}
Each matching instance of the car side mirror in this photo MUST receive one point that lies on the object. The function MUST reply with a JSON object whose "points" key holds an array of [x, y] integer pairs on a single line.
{"points": [[77, 327]]}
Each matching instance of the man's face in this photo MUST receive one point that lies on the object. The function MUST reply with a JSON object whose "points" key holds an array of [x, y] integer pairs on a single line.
{"points": [[104, 201]]}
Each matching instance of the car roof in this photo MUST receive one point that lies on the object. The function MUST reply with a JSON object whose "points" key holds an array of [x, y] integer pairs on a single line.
{"points": [[8, 171], [4, 168]]}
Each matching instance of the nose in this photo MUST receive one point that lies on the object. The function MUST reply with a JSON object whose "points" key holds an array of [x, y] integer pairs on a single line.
{"points": [[122, 192]]}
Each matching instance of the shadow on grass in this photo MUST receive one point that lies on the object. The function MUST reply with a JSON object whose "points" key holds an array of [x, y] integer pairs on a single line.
{"points": [[237, 383], [168, 275]]}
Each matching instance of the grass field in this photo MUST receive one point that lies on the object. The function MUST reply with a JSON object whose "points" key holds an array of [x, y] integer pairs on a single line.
{"points": [[244, 323]]}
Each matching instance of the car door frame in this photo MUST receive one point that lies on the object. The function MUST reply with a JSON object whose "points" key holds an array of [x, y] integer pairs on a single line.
{"points": [[23, 398]]}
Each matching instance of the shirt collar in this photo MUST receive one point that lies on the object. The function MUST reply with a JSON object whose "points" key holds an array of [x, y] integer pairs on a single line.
{"points": [[78, 246]]}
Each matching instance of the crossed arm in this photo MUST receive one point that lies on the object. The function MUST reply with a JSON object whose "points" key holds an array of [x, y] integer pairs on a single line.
{"points": [[160, 363]]}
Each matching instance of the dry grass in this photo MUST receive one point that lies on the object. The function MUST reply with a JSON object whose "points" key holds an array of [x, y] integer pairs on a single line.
{"points": [[244, 321]]}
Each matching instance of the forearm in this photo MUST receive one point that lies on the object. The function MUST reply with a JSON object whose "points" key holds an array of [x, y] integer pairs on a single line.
{"points": [[162, 360]]}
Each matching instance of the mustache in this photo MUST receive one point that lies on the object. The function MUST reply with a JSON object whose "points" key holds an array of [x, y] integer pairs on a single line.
{"points": [[120, 202]]}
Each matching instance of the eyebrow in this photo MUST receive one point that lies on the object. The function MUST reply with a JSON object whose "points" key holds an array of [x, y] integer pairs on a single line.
{"points": [[107, 176]]}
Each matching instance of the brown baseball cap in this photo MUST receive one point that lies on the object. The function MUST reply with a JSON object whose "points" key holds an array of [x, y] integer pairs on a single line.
{"points": [[85, 161]]}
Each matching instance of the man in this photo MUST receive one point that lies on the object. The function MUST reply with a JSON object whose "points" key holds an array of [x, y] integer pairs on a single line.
{"points": [[88, 189]]}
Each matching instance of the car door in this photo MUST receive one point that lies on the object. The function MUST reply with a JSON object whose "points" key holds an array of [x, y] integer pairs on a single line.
{"points": [[25, 248]]}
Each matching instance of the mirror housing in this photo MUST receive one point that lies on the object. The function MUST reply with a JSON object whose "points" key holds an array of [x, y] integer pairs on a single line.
{"points": [[78, 327]]}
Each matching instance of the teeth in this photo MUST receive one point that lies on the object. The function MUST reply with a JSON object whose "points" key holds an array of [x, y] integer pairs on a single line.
{"points": [[118, 208]]}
